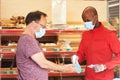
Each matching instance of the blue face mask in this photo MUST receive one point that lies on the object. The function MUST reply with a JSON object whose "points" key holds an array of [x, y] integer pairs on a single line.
{"points": [[41, 33], [89, 25]]}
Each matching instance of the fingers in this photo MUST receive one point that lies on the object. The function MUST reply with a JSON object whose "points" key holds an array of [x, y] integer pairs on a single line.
{"points": [[98, 67], [69, 68], [74, 59]]}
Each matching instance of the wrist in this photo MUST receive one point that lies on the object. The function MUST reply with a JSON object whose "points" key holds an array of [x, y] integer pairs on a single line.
{"points": [[60, 68]]}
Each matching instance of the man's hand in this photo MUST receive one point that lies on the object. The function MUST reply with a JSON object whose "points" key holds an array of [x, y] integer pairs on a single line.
{"points": [[68, 68], [74, 59], [98, 67]]}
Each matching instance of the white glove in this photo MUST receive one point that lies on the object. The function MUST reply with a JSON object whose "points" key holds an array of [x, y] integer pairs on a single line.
{"points": [[98, 67], [74, 60]]}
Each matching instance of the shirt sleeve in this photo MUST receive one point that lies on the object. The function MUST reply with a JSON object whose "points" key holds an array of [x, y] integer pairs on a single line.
{"points": [[32, 47], [80, 52], [115, 48]]}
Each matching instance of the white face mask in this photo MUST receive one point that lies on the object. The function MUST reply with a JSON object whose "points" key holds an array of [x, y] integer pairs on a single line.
{"points": [[41, 33], [89, 25]]}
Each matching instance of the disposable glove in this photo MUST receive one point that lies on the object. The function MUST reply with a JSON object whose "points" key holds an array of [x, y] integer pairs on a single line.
{"points": [[98, 67], [74, 60]]}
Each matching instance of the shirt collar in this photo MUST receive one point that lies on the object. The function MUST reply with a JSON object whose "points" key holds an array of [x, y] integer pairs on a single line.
{"points": [[99, 28]]}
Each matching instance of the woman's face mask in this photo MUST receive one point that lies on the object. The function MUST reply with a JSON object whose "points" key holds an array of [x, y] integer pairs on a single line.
{"points": [[89, 25]]}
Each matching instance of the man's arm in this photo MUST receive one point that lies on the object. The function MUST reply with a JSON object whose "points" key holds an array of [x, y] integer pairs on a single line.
{"points": [[40, 59]]}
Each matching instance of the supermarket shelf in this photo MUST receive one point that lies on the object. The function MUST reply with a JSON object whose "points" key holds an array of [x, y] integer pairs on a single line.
{"points": [[8, 76], [51, 74], [8, 54], [60, 52], [18, 32], [11, 54], [72, 31]]}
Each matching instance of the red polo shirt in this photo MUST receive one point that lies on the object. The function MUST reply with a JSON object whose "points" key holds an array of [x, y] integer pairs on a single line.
{"points": [[97, 47]]}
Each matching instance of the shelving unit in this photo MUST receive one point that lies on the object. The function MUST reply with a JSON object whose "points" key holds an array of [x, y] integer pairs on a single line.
{"points": [[52, 75], [114, 14], [51, 36]]}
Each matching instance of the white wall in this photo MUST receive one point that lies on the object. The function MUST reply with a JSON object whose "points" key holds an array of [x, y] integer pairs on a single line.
{"points": [[22, 7], [74, 8]]}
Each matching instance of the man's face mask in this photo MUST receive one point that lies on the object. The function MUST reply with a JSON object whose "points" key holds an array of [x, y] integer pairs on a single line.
{"points": [[41, 33], [89, 25]]}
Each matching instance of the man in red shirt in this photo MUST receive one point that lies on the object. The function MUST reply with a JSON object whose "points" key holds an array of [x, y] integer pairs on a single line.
{"points": [[97, 47]]}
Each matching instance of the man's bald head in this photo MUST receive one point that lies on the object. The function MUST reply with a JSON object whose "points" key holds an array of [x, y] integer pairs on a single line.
{"points": [[90, 15], [89, 12]]}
